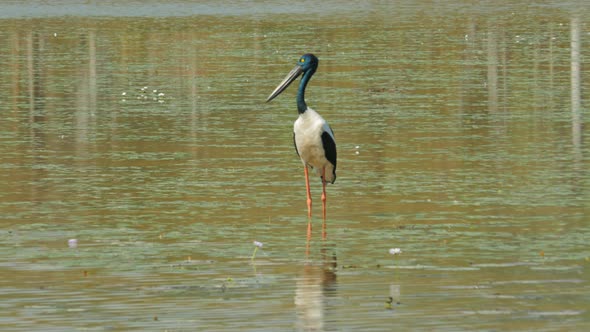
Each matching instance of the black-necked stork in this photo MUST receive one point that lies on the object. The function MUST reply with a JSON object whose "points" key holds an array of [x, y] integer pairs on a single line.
{"points": [[313, 137]]}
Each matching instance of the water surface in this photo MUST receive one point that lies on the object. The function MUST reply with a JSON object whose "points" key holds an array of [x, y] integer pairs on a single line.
{"points": [[140, 129]]}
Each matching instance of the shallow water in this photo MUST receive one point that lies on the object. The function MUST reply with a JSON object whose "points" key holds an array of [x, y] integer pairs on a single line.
{"points": [[140, 129]]}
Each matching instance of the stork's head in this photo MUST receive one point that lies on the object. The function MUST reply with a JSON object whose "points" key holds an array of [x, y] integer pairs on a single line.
{"points": [[307, 64]]}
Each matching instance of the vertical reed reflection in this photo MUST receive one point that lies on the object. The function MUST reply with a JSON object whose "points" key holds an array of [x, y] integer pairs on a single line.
{"points": [[492, 82], [86, 97], [576, 88], [36, 118]]}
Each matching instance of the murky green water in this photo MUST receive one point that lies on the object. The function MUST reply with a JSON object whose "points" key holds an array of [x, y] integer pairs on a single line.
{"points": [[140, 129]]}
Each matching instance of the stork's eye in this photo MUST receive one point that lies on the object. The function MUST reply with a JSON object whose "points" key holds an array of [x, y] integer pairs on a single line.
{"points": [[302, 60]]}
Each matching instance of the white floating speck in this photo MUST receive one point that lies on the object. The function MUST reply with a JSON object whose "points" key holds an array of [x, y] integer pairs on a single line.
{"points": [[161, 94], [357, 147], [72, 243], [155, 91], [258, 244], [124, 94], [55, 34], [395, 251]]}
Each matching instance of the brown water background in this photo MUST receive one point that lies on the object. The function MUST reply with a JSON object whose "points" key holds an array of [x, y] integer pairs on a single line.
{"points": [[140, 130]]}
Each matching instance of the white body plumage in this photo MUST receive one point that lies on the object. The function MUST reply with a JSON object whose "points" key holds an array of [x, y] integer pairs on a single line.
{"points": [[315, 143]]}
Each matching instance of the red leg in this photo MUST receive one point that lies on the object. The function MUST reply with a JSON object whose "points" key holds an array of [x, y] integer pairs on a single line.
{"points": [[324, 235], [308, 202]]}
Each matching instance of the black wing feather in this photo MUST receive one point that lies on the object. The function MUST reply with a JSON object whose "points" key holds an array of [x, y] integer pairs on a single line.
{"points": [[329, 149]]}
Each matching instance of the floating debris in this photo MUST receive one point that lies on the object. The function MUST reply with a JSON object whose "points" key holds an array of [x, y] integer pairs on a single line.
{"points": [[395, 251], [388, 303], [145, 93], [72, 243]]}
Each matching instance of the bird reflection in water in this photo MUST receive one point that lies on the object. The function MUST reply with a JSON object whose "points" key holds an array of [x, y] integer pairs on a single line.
{"points": [[315, 284]]}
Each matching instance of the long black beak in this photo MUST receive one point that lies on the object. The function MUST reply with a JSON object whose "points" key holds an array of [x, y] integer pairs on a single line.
{"points": [[293, 74]]}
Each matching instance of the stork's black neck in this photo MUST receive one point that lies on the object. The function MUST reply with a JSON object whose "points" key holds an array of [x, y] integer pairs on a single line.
{"points": [[301, 105]]}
